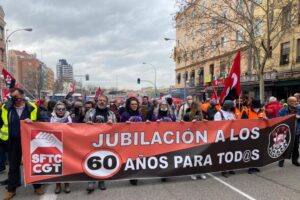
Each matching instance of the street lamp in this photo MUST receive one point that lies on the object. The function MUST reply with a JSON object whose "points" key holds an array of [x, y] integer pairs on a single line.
{"points": [[154, 68], [185, 71], [7, 40]]}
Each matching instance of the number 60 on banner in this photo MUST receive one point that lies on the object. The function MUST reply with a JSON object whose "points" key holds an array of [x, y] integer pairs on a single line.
{"points": [[102, 164]]}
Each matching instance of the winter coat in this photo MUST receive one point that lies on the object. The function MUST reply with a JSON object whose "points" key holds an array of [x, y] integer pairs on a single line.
{"points": [[65, 119], [91, 116], [273, 108], [132, 117]]}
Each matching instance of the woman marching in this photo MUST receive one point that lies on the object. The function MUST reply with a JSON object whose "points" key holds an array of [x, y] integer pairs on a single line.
{"points": [[61, 115], [194, 114], [132, 114]]}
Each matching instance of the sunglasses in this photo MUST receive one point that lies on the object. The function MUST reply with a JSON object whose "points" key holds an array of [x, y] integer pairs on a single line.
{"points": [[60, 109]]}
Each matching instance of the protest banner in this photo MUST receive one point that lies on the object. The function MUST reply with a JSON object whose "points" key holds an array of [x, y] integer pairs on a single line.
{"points": [[82, 152]]}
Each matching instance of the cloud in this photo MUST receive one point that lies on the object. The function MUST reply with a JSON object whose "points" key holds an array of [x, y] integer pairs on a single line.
{"points": [[108, 39]]}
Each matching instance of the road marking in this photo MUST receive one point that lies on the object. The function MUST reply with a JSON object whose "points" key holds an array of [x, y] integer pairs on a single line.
{"points": [[232, 187], [49, 193]]}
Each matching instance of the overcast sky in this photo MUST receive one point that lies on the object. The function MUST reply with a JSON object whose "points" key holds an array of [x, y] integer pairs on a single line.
{"points": [[108, 39]]}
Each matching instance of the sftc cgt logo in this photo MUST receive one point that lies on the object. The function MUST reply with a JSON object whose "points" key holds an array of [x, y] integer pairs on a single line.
{"points": [[46, 150], [279, 140]]}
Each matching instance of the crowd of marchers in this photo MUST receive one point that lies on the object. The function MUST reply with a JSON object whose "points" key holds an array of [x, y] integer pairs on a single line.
{"points": [[105, 110]]}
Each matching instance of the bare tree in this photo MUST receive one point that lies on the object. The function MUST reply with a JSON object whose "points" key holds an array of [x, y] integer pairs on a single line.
{"points": [[255, 25]]}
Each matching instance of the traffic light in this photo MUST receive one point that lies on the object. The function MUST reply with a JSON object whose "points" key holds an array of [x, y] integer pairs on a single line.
{"points": [[87, 77], [138, 81]]}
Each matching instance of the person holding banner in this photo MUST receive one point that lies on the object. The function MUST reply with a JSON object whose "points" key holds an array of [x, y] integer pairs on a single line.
{"points": [[164, 113], [255, 112], [12, 113], [211, 110], [184, 107], [3, 152], [132, 114], [194, 114], [88, 106], [61, 115], [226, 113], [293, 108], [100, 114]]}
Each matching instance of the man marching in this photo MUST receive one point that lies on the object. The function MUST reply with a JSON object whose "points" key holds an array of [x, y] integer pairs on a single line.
{"points": [[12, 113]]}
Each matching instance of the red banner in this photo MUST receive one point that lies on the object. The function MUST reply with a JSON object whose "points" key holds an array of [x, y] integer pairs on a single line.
{"points": [[83, 152]]}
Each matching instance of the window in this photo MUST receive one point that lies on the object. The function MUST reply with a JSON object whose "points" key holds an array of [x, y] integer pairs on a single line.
{"points": [[286, 16], [193, 13], [258, 28], [192, 75], [2, 55], [193, 34], [185, 75], [223, 69], [200, 73], [213, 23], [223, 41], [193, 54], [202, 50], [185, 39], [239, 5], [224, 14], [202, 28], [239, 36], [1, 33], [285, 53], [298, 51], [213, 45], [212, 69], [213, 2]]}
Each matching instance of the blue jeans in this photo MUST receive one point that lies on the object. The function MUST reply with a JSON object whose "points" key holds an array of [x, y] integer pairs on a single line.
{"points": [[3, 152]]}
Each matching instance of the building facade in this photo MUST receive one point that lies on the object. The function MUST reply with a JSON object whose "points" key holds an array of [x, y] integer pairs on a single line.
{"points": [[64, 71], [33, 75], [2, 40], [206, 44]]}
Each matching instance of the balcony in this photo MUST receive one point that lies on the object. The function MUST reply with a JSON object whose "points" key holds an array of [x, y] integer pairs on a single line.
{"points": [[273, 76]]}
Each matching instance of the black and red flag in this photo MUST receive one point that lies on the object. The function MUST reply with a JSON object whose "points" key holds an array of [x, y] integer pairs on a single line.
{"points": [[232, 87], [10, 81]]}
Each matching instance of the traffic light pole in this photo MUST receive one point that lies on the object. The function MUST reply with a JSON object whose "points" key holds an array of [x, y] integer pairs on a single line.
{"points": [[140, 80]]}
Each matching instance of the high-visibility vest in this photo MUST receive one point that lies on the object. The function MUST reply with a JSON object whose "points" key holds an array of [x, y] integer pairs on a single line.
{"points": [[4, 116], [205, 106], [254, 115]]}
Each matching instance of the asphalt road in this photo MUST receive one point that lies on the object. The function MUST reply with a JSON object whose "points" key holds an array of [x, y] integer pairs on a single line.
{"points": [[271, 183]]}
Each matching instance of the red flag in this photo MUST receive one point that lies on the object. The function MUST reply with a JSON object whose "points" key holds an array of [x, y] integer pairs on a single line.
{"points": [[232, 87], [4, 93], [98, 93], [72, 87], [10, 81], [215, 95]]}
